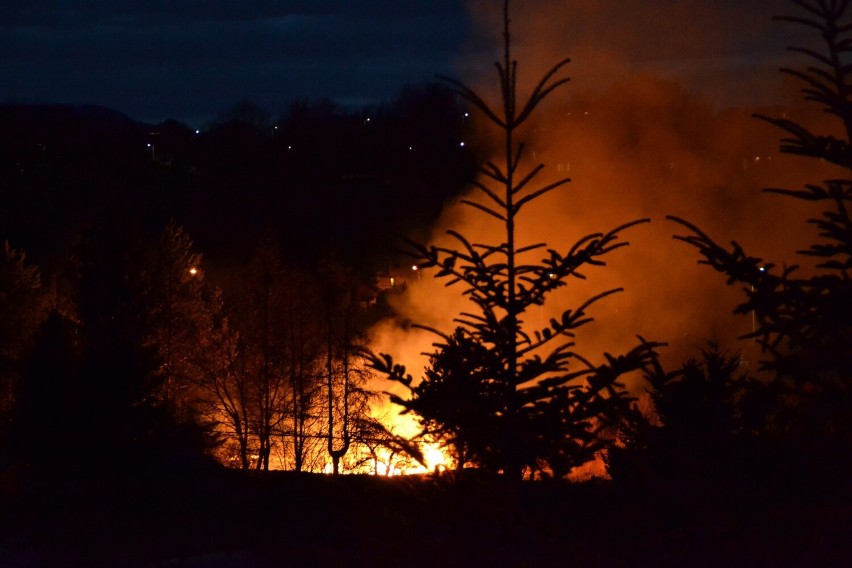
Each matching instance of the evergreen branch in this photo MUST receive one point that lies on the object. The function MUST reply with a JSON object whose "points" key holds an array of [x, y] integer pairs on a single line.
{"points": [[495, 173], [597, 297], [542, 90], [480, 319], [831, 78], [529, 248], [461, 238], [573, 251], [736, 264], [625, 226], [805, 143], [543, 337], [511, 94], [383, 363], [471, 96], [811, 53], [526, 199], [505, 95], [819, 91], [436, 331], [812, 192], [527, 178], [484, 209], [494, 197], [472, 274]]}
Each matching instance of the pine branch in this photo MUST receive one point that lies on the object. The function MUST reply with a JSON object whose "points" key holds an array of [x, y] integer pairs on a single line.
{"points": [[483, 208], [542, 90], [494, 197], [472, 97], [524, 200]]}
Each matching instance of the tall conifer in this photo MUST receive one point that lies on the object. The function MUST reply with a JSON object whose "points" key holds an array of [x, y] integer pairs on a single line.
{"points": [[507, 397]]}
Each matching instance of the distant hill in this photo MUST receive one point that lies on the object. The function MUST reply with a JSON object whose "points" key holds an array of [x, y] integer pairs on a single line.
{"points": [[319, 177], [64, 165]]}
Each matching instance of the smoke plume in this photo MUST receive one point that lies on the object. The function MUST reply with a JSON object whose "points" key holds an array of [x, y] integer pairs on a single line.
{"points": [[656, 121]]}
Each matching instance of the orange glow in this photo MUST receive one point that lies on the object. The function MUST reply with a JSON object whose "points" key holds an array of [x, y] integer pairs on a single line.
{"points": [[660, 151], [436, 457], [636, 146]]}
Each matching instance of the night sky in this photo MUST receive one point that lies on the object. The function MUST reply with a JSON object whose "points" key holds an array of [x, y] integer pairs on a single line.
{"points": [[193, 59]]}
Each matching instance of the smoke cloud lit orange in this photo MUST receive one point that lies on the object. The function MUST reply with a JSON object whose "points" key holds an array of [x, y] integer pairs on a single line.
{"points": [[637, 144]]}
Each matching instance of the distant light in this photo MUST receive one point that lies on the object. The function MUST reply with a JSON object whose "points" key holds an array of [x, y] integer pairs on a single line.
{"points": [[414, 267], [193, 271], [762, 269], [198, 132], [289, 147], [461, 144], [411, 148], [149, 145], [466, 115]]}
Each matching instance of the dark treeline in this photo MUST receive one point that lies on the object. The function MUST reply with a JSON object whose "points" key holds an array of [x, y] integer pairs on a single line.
{"points": [[249, 345], [317, 175]]}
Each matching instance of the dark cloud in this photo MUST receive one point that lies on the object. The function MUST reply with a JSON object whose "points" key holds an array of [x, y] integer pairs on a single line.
{"points": [[190, 59]]}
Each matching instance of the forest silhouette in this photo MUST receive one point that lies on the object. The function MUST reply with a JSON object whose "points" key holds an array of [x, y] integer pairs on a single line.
{"points": [[161, 405]]}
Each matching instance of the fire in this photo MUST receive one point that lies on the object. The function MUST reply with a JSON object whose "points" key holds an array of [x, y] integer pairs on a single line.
{"points": [[639, 147], [642, 147], [436, 457]]}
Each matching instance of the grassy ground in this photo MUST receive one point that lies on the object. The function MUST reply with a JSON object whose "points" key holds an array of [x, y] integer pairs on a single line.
{"points": [[224, 518]]}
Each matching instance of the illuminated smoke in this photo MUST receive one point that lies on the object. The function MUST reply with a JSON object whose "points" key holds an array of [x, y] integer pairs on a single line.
{"points": [[727, 50], [642, 132]]}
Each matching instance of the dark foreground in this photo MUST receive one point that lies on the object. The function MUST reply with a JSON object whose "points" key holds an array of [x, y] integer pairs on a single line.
{"points": [[218, 518]]}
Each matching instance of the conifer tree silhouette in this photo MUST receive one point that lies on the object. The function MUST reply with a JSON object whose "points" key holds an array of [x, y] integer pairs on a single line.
{"points": [[506, 398], [698, 430], [24, 305], [804, 323]]}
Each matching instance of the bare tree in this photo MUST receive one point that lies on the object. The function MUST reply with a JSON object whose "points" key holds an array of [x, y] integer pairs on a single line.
{"points": [[170, 282], [303, 353], [342, 310]]}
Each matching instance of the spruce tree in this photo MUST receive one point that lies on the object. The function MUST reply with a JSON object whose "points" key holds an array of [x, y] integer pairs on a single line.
{"points": [[804, 322], [170, 285], [24, 306], [509, 398]]}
